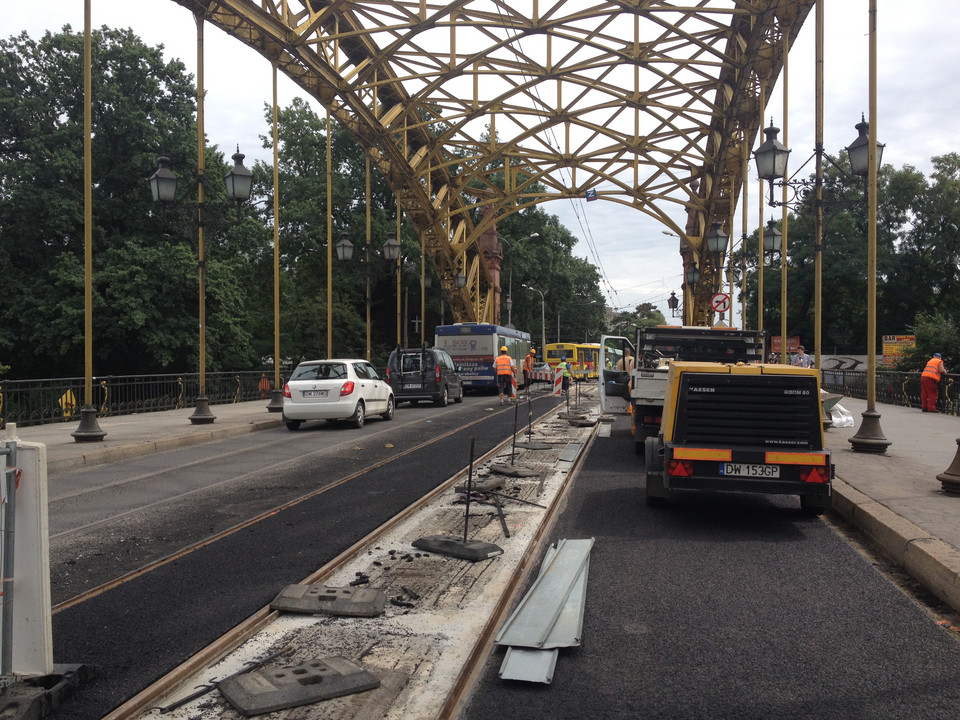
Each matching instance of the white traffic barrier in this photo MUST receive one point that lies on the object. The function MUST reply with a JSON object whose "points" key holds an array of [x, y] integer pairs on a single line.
{"points": [[558, 382]]}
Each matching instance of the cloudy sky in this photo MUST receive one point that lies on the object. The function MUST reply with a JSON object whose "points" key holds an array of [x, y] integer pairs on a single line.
{"points": [[918, 103]]}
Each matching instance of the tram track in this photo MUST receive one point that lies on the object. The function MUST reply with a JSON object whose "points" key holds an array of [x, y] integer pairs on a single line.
{"points": [[194, 546], [465, 580]]}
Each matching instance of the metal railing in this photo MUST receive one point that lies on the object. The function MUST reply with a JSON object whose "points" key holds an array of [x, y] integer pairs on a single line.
{"points": [[893, 388], [35, 402]]}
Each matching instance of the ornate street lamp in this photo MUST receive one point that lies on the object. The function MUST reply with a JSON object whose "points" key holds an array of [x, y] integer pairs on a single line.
{"points": [[163, 186], [391, 251], [673, 303], [344, 247], [771, 238], [771, 158], [859, 150], [716, 240], [163, 182], [239, 181]]}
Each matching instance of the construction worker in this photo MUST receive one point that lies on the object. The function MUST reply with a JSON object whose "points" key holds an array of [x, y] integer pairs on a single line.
{"points": [[929, 382], [564, 367], [504, 368], [528, 362]]}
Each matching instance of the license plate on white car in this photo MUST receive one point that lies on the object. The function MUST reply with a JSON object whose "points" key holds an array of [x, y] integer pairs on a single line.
{"points": [[749, 470], [314, 393]]}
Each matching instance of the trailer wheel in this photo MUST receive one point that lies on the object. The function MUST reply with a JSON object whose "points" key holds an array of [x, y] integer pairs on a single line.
{"points": [[814, 505], [653, 463]]}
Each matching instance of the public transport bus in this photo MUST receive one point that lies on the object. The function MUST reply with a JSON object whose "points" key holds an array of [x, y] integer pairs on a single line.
{"points": [[589, 356], [582, 357], [473, 346]]}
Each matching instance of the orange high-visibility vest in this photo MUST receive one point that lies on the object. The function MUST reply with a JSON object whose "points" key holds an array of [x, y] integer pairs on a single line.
{"points": [[528, 364], [934, 368], [502, 365]]}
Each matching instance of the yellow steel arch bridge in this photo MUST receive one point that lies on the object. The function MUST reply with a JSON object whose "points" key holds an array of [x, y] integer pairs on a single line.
{"points": [[475, 109]]}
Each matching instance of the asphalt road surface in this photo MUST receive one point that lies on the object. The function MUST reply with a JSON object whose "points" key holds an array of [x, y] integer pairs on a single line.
{"points": [[710, 607], [728, 607], [135, 632]]}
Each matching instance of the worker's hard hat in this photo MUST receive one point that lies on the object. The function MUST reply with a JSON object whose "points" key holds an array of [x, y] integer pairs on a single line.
{"points": [[937, 355], [532, 350], [503, 348]]}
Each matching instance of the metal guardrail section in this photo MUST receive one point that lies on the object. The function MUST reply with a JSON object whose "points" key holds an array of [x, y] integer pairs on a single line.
{"points": [[893, 388], [36, 402]]}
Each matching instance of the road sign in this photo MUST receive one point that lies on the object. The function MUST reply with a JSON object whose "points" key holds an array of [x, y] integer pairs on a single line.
{"points": [[720, 302]]}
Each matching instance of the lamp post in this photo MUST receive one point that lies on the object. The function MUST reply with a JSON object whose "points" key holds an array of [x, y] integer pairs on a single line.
{"points": [[509, 302], [673, 303], [869, 437], [89, 429], [691, 278], [163, 186], [771, 241], [543, 323], [716, 241], [391, 251], [771, 160]]}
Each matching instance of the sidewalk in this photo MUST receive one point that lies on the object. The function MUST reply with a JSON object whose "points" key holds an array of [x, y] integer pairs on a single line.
{"points": [[894, 498], [143, 434]]}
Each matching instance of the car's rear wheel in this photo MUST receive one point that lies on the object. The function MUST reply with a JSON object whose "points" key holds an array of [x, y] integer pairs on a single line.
{"points": [[459, 397], [388, 415], [359, 415], [292, 424], [444, 397]]}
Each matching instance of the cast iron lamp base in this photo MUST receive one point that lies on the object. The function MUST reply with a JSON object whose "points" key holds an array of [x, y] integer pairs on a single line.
{"points": [[89, 429], [950, 478], [276, 401], [201, 414], [870, 437]]}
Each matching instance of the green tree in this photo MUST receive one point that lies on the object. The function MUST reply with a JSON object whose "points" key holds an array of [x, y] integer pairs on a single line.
{"points": [[145, 297]]}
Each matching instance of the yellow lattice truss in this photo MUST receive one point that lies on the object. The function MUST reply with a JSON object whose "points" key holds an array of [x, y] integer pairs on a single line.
{"points": [[473, 110]]}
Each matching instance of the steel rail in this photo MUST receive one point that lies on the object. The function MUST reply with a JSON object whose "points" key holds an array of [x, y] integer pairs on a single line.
{"points": [[248, 628], [209, 540]]}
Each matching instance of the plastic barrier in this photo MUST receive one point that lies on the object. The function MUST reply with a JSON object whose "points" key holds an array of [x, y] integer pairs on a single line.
{"points": [[558, 382]]}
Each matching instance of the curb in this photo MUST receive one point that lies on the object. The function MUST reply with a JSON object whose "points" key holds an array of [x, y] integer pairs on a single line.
{"points": [[930, 561], [102, 456]]}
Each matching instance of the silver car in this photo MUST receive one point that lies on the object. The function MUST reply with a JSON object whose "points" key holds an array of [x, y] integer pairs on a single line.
{"points": [[341, 389]]}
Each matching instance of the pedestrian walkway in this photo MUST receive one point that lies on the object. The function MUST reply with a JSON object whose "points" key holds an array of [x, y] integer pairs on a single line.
{"points": [[894, 498], [130, 436]]}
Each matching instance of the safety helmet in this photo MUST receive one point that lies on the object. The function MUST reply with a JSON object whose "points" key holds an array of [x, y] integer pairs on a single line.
{"points": [[937, 355], [532, 351], [503, 348]]}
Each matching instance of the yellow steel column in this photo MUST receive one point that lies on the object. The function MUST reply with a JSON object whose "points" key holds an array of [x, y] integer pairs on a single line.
{"points": [[366, 167], [783, 238], [818, 193], [276, 396], [201, 414], [329, 239], [89, 428]]}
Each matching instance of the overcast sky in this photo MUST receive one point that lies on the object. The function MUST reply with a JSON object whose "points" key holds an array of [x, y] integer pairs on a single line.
{"points": [[918, 106]]}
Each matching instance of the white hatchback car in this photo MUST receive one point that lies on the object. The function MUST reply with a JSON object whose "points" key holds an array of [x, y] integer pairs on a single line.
{"points": [[336, 390]]}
